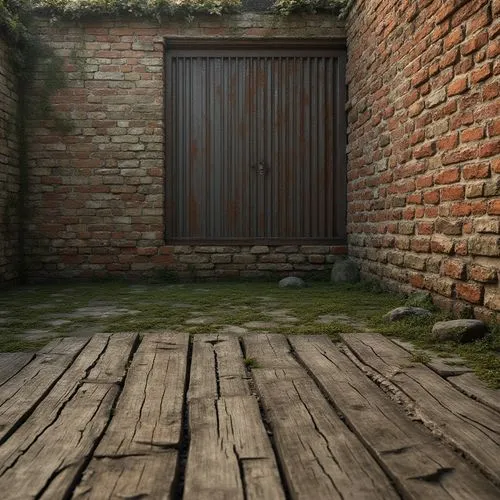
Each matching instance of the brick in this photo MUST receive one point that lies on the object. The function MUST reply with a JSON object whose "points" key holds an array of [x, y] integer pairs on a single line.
{"points": [[474, 190], [447, 176], [193, 258], [275, 258], [221, 258], [488, 149], [441, 244], [483, 274], [448, 227], [318, 249], [482, 73], [443, 286], [494, 127], [487, 225], [472, 134], [459, 156], [432, 197], [413, 261], [259, 249], [452, 193], [470, 292], [458, 86], [454, 38], [492, 298], [425, 150], [424, 181], [453, 268], [420, 245], [476, 171], [407, 228], [447, 142], [474, 43], [484, 245], [494, 207], [244, 258]]}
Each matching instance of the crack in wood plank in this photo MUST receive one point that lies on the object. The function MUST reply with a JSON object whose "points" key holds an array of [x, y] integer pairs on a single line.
{"points": [[466, 424]]}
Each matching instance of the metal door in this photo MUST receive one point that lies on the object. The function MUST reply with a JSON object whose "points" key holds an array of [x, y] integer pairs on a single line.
{"points": [[255, 142]]}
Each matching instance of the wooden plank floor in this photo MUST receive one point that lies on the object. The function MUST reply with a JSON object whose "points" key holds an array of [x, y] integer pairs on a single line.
{"points": [[169, 416]]}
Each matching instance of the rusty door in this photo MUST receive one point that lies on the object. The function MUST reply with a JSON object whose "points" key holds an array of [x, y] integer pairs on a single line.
{"points": [[255, 141]]}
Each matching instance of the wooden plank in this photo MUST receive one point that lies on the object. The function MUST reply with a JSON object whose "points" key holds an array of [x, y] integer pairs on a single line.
{"points": [[446, 367], [320, 456], [99, 356], [230, 455], [269, 351], [48, 468], [469, 425], [22, 392], [130, 477], [148, 415], [417, 462], [471, 385], [217, 368], [113, 363], [12, 362]]}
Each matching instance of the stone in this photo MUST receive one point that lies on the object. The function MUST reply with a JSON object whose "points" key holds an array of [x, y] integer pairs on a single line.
{"points": [[459, 330], [292, 282], [234, 330], [260, 324], [58, 322], [345, 271], [405, 312], [200, 320]]}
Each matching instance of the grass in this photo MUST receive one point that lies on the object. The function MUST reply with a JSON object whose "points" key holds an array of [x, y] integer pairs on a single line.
{"points": [[170, 307], [251, 363], [483, 356]]}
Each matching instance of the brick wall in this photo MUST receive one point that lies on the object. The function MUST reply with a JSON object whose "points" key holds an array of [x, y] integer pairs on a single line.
{"points": [[424, 148], [9, 171], [97, 192]]}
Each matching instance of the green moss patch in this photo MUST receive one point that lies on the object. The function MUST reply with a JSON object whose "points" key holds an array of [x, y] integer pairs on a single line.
{"points": [[322, 308]]}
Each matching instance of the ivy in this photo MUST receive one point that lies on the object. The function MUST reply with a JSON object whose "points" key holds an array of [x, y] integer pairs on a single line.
{"points": [[338, 7], [75, 9]]}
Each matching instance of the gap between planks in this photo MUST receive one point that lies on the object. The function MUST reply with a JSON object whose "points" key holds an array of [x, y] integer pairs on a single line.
{"points": [[418, 462], [468, 425]]}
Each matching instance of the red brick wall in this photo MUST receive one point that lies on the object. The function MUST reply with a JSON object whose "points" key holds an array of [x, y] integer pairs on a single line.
{"points": [[9, 171], [424, 147], [96, 193]]}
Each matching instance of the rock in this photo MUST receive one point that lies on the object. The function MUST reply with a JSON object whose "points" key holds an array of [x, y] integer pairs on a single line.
{"points": [[459, 330], [292, 282], [405, 312], [345, 271]]}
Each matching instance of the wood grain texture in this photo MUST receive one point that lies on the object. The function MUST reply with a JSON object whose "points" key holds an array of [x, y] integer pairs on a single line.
{"points": [[148, 415], [112, 364], [469, 425], [471, 385], [230, 455], [22, 392], [269, 351], [320, 456], [217, 367], [132, 477], [421, 465], [93, 358], [12, 362], [47, 469]]}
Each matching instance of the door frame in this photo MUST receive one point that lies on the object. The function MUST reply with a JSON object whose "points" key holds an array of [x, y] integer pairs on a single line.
{"points": [[256, 47]]}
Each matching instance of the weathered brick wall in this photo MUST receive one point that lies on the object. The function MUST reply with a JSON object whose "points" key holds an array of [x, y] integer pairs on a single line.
{"points": [[97, 192], [424, 148], [9, 171]]}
